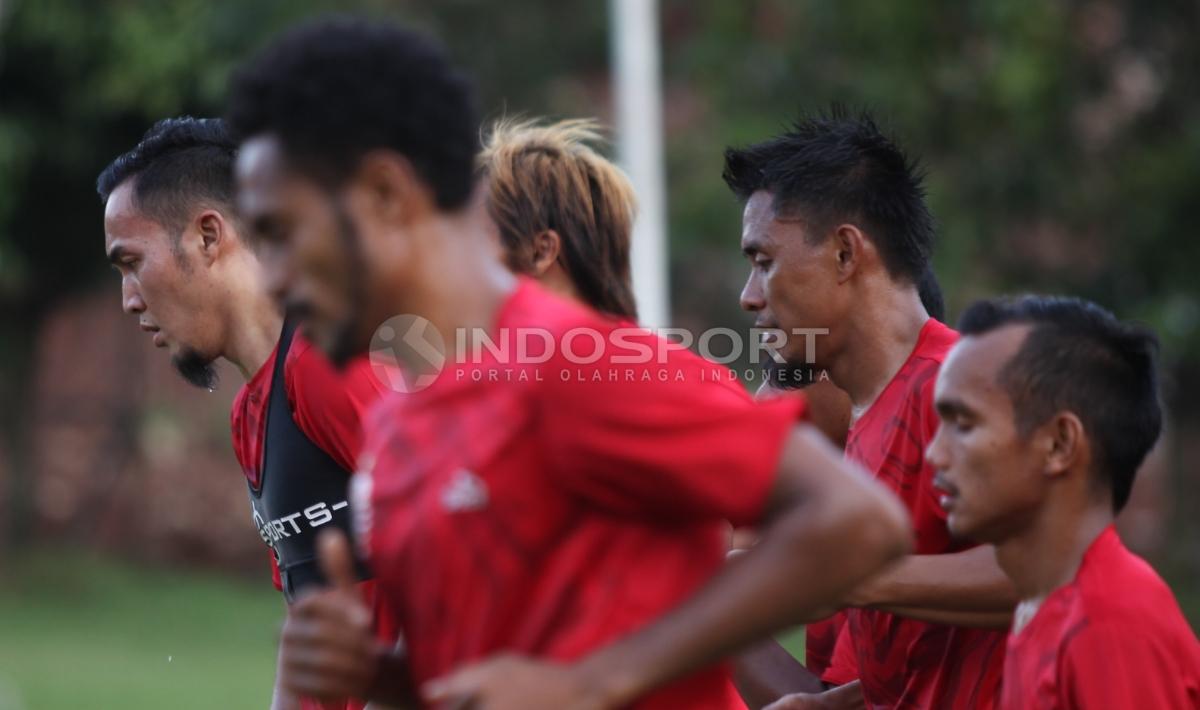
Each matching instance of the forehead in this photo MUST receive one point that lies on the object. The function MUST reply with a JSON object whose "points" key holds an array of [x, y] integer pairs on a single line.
{"points": [[763, 226], [971, 371], [125, 223], [260, 162], [267, 181]]}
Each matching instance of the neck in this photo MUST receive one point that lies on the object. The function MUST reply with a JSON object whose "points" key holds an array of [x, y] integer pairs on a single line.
{"points": [[254, 325], [880, 340], [1046, 554], [463, 281]]}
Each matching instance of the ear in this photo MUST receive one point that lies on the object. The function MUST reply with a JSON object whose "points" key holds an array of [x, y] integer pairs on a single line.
{"points": [[387, 188], [850, 247], [547, 245], [213, 231], [1064, 442]]}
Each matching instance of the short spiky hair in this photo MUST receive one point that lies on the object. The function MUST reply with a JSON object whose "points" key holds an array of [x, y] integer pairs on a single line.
{"points": [[336, 88], [1078, 357], [547, 177], [179, 163], [836, 167]]}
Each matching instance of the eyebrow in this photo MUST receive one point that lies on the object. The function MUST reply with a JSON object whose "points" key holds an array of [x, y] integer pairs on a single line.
{"points": [[950, 407], [752, 246], [117, 253]]}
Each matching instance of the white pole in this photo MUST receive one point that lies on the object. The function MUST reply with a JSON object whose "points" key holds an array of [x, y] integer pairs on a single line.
{"points": [[638, 90]]}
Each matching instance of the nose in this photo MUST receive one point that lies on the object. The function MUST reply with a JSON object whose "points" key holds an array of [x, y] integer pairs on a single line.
{"points": [[752, 294], [131, 298], [935, 452]]}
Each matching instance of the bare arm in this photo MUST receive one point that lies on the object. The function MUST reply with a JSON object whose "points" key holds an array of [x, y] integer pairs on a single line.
{"points": [[843, 697], [767, 672], [940, 587], [820, 507]]}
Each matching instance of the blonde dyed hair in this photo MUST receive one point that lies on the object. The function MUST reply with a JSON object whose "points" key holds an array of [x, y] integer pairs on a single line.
{"points": [[548, 177]]}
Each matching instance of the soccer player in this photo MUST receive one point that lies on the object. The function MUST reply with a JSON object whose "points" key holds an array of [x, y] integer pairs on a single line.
{"points": [[771, 669], [1048, 407], [192, 281], [838, 236], [563, 212], [535, 507]]}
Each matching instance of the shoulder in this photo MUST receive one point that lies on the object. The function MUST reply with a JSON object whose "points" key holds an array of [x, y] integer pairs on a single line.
{"points": [[931, 351], [310, 375], [1119, 590], [921, 371]]}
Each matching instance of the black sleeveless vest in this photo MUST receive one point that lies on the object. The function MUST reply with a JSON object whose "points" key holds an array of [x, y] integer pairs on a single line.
{"points": [[300, 488]]}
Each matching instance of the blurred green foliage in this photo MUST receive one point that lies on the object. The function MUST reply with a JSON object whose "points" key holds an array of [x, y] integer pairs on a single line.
{"points": [[1060, 137]]}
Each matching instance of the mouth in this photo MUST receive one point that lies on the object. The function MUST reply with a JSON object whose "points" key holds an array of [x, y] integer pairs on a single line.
{"points": [[769, 333], [160, 340], [947, 493]]}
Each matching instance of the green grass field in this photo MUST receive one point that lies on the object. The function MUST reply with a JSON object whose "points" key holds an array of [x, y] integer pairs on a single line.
{"points": [[81, 632]]}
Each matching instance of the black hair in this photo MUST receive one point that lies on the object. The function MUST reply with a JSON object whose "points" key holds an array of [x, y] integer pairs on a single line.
{"points": [[930, 292], [833, 167], [335, 88], [178, 163], [1078, 357]]}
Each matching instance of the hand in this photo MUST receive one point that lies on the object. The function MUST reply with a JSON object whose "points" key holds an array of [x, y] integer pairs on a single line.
{"points": [[843, 697], [512, 682], [798, 701], [327, 650]]}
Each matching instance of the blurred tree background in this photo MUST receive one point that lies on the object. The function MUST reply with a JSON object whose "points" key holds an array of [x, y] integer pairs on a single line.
{"points": [[1061, 140]]}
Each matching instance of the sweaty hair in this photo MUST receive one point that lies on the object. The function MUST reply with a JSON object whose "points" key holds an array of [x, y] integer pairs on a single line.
{"points": [[333, 89], [547, 177], [1078, 357], [834, 168], [179, 163]]}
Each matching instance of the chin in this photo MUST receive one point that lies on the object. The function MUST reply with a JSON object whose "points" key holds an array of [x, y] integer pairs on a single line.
{"points": [[341, 343], [963, 528]]}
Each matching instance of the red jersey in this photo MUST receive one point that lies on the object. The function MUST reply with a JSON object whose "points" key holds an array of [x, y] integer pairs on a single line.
{"points": [[820, 639], [327, 406], [904, 662], [1114, 638], [549, 508]]}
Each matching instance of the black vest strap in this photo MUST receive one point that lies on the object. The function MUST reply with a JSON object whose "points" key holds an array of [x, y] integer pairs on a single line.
{"points": [[300, 488]]}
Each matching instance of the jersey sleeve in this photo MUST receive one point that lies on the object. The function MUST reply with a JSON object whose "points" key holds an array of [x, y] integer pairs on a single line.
{"points": [[1120, 667], [329, 405], [672, 439]]}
